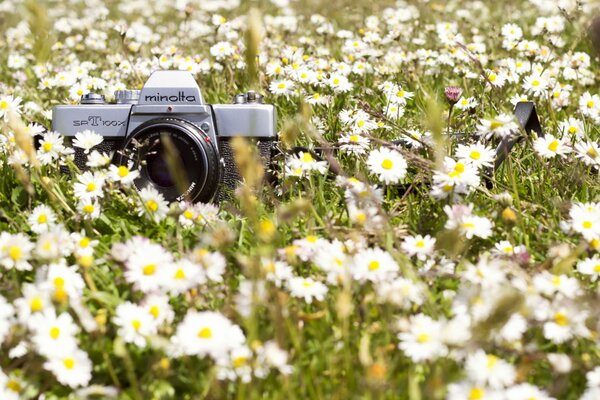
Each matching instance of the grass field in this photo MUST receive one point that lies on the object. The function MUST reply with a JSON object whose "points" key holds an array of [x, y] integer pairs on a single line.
{"points": [[384, 261]]}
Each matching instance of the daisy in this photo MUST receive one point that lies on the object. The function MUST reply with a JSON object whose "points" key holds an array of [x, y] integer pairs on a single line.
{"points": [[420, 246], [86, 140], [89, 185], [374, 264], [401, 292], [15, 251], [50, 148], [466, 103], [206, 333], [152, 204], [306, 163], [135, 323], [339, 83], [589, 105], [389, 165], [283, 87], [307, 289], [277, 272], [63, 281], [354, 143], [526, 391], [11, 387], [535, 84], [588, 152], [34, 300], [501, 126], [422, 339], [467, 390], [183, 275], [96, 159], [212, 262], [7, 312], [89, 208], [53, 334], [549, 146], [9, 104], [146, 266], [122, 173], [41, 218], [487, 369], [476, 226], [478, 154], [571, 127], [590, 266], [72, 367]]}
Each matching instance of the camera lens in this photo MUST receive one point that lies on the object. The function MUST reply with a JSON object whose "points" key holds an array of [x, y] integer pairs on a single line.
{"points": [[175, 157], [157, 167]]}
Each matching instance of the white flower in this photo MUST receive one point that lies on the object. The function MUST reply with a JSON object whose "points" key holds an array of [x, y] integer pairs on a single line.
{"points": [[212, 262], [41, 218], [304, 162], [283, 87], [7, 312], [50, 147], [420, 246], [206, 333], [501, 126], [122, 173], [339, 83], [487, 369], [147, 266], [135, 323], [307, 289], [549, 146], [34, 300], [9, 104], [526, 391], [11, 387], [15, 251], [374, 264], [53, 334], [89, 185], [72, 367], [183, 275], [153, 204], [389, 165], [476, 154], [90, 209], [590, 266], [588, 152], [221, 50], [422, 340], [86, 140]]}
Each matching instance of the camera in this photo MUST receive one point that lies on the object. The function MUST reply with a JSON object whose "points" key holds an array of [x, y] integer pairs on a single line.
{"points": [[144, 126]]}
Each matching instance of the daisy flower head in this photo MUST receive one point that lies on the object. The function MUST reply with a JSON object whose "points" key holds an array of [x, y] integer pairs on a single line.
{"points": [[15, 251], [339, 83], [152, 204], [89, 185], [9, 104], [135, 323], [41, 219], [88, 208], [588, 152], [422, 340], [476, 154], [7, 312], [500, 126], [283, 87], [489, 370], [147, 265], [388, 165], [72, 367], [87, 140], [53, 334], [307, 289], [206, 333], [354, 143], [122, 174], [549, 146], [590, 266], [419, 246], [375, 265], [304, 162], [11, 387], [50, 147]]}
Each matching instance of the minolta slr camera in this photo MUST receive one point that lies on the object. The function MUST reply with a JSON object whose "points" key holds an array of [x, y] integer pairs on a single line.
{"points": [[170, 104]]}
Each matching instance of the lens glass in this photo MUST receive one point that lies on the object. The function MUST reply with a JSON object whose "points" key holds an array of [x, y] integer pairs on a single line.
{"points": [[158, 169]]}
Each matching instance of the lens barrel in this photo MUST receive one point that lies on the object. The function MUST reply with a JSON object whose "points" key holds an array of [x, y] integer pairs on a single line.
{"points": [[193, 152]]}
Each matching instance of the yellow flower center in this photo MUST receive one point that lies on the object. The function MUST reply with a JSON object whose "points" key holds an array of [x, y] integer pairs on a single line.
{"points": [[561, 319], [13, 385], [573, 129], [336, 81], [495, 124], [587, 224], [475, 155], [459, 167], [59, 282], [535, 83], [420, 243], [36, 304], [374, 265], [468, 225], [590, 104], [423, 338], [239, 362], [152, 205], [54, 332], [387, 164], [281, 86], [307, 157], [155, 311], [476, 394], [123, 171], [592, 153], [42, 219], [4, 104], [47, 147], [149, 269], [15, 253], [91, 187], [188, 214], [492, 77], [491, 360], [69, 363], [205, 333], [180, 274], [553, 145], [136, 324], [597, 268], [88, 208]]}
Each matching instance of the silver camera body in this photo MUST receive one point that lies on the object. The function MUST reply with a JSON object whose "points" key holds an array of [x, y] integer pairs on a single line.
{"points": [[171, 103]]}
